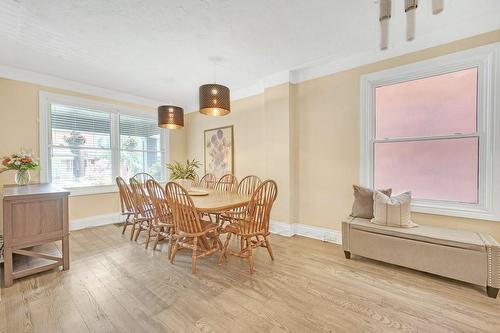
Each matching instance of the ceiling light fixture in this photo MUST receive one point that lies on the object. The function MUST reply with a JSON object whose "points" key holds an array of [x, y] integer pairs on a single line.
{"points": [[410, 10], [170, 116], [214, 98]]}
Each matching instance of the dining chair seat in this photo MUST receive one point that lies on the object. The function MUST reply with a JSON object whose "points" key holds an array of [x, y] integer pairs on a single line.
{"points": [[239, 227]]}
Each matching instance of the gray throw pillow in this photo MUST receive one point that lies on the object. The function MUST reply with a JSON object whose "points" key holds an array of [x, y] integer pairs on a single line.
{"points": [[363, 201]]}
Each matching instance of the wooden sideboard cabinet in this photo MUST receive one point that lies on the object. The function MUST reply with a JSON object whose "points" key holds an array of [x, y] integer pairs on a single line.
{"points": [[34, 218]]}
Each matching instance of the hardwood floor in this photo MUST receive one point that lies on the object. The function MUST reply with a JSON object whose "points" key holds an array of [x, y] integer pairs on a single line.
{"points": [[114, 285]]}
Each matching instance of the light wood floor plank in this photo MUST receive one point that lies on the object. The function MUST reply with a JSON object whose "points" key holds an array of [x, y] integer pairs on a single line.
{"points": [[115, 285]]}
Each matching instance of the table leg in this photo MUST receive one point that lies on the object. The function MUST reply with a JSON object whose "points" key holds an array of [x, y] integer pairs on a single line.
{"points": [[8, 267], [65, 252]]}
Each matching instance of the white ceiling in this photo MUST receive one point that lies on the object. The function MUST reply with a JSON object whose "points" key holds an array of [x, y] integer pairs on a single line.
{"points": [[162, 50]]}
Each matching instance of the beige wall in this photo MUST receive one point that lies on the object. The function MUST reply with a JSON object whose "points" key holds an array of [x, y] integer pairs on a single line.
{"points": [[19, 130], [329, 142], [261, 140], [320, 153], [305, 136]]}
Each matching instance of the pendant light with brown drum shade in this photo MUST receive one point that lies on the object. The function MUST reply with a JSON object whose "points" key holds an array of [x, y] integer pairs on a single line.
{"points": [[214, 100], [170, 116]]}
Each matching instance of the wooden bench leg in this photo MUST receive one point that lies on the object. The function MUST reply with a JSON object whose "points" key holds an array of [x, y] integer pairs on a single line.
{"points": [[347, 254], [492, 292]]}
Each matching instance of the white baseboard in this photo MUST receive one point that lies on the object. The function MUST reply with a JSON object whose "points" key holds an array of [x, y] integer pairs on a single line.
{"points": [[323, 234], [95, 221], [276, 227]]}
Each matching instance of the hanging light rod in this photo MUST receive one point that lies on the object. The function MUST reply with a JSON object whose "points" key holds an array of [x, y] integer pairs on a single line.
{"points": [[410, 7]]}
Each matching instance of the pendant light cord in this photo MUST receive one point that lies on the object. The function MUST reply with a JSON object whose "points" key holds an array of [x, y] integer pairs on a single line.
{"points": [[215, 71]]}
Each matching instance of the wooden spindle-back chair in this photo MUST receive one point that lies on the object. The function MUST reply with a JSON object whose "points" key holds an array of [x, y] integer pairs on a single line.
{"points": [[126, 202], [190, 231], [142, 177], [163, 224], [208, 181], [249, 184], [227, 183], [253, 223], [144, 211]]}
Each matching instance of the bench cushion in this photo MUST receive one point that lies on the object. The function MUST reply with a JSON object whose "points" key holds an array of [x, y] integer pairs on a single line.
{"points": [[440, 236]]}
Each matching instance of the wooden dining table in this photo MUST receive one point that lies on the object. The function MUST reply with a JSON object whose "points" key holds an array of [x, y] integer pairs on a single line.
{"points": [[216, 202]]}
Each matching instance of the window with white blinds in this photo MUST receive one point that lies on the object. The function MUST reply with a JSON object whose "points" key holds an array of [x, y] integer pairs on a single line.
{"points": [[140, 147], [80, 147], [87, 146]]}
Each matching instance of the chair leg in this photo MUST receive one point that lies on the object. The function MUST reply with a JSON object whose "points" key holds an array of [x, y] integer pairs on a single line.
{"points": [[127, 222], [242, 243], [170, 242], [148, 236], [157, 238], [219, 243], [250, 256], [224, 248], [176, 247], [139, 229], [132, 232], [268, 247], [193, 256]]}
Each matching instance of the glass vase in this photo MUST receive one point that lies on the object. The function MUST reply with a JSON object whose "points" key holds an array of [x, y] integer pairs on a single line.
{"points": [[22, 177]]}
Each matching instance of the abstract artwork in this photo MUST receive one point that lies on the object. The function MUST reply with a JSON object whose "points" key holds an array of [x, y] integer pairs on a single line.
{"points": [[219, 151]]}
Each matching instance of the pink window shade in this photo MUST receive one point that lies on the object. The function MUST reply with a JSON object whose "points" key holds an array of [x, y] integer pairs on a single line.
{"points": [[431, 169], [437, 105]]}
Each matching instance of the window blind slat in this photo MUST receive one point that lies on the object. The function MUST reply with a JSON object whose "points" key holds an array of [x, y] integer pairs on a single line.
{"points": [[141, 127], [82, 120]]}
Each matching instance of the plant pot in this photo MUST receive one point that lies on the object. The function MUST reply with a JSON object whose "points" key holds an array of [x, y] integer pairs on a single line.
{"points": [[22, 177], [186, 183]]}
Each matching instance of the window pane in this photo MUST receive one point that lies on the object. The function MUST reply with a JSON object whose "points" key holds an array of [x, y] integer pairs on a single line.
{"points": [[431, 169], [133, 162], [80, 127], [75, 167], [438, 105], [139, 133]]}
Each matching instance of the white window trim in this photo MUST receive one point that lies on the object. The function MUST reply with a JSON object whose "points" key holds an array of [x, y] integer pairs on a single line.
{"points": [[487, 59], [47, 98]]}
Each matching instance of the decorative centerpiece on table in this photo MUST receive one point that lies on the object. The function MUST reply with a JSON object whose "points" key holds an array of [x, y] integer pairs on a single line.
{"points": [[22, 162], [184, 173]]}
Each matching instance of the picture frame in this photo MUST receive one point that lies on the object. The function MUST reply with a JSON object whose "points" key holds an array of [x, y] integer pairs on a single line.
{"points": [[218, 146]]}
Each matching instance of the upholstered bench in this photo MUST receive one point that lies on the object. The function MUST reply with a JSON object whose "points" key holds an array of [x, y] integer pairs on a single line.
{"points": [[471, 257]]}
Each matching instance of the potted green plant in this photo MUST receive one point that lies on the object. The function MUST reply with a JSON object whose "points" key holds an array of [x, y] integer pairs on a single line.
{"points": [[184, 173]]}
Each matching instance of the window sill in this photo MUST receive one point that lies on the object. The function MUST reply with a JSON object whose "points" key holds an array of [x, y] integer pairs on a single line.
{"points": [[91, 190], [469, 211]]}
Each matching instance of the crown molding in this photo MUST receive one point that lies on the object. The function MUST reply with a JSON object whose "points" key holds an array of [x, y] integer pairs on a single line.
{"points": [[18, 74]]}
